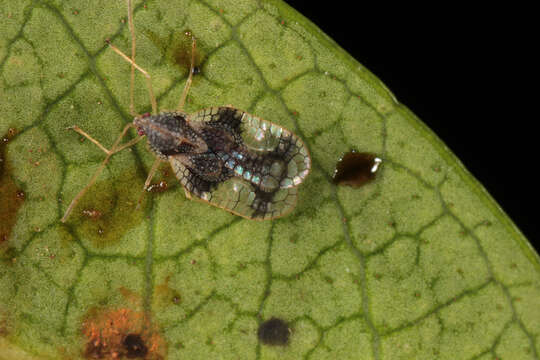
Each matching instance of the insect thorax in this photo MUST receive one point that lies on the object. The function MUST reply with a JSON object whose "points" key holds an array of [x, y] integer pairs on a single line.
{"points": [[169, 133]]}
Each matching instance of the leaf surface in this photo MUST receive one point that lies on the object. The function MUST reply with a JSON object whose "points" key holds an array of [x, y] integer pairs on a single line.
{"points": [[420, 263]]}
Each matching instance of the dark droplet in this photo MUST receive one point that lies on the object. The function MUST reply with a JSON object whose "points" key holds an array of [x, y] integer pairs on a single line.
{"points": [[356, 169], [274, 332], [135, 347], [92, 213], [158, 188]]}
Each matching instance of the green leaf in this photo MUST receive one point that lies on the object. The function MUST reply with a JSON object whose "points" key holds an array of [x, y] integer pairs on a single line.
{"points": [[420, 263]]}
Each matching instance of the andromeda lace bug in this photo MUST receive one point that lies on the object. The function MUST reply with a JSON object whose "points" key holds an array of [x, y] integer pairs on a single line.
{"points": [[221, 155]]}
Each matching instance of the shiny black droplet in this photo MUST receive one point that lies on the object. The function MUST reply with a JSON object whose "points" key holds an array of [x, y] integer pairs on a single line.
{"points": [[274, 332], [135, 347], [355, 169]]}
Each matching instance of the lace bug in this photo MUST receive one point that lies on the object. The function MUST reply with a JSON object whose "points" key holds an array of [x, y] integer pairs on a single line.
{"points": [[221, 155]]}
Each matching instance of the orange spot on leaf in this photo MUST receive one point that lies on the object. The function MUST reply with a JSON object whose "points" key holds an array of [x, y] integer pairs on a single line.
{"points": [[121, 333]]}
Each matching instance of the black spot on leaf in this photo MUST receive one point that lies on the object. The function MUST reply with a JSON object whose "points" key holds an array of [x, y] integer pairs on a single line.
{"points": [[274, 332], [135, 347]]}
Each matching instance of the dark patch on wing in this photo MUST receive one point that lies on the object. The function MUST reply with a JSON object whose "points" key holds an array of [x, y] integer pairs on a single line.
{"points": [[223, 131], [208, 166], [227, 118], [260, 204], [286, 148], [204, 173]]}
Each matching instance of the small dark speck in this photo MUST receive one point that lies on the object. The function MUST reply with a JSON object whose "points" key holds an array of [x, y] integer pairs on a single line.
{"points": [[274, 332]]}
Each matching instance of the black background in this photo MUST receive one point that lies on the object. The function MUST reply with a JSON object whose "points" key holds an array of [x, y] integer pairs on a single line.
{"points": [[464, 72]]}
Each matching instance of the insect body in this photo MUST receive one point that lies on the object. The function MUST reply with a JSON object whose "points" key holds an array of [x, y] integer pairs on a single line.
{"points": [[221, 155], [231, 159]]}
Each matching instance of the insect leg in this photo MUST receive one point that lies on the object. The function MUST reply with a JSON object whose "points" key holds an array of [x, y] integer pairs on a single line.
{"points": [[148, 77], [153, 170], [112, 151], [115, 148], [151, 173], [83, 133], [188, 194], [133, 47], [128, 144], [190, 77]]}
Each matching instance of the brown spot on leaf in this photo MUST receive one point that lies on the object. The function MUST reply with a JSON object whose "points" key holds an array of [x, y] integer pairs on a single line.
{"points": [[108, 210], [177, 49], [3, 324], [121, 333], [11, 196], [130, 296], [165, 295]]}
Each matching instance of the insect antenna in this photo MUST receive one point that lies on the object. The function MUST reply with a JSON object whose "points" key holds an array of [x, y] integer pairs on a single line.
{"points": [[190, 76], [146, 75], [133, 49]]}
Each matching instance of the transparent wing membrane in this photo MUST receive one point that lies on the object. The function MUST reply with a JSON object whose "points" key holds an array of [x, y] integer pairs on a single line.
{"points": [[261, 164], [238, 195]]}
